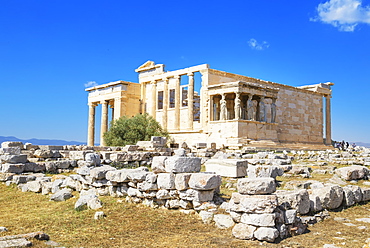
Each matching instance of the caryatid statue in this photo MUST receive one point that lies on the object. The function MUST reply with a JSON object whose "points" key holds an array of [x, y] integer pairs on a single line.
{"points": [[237, 106], [250, 108], [273, 110], [262, 110], [223, 110]]}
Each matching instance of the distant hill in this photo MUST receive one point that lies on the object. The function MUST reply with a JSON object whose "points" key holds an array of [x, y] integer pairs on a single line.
{"points": [[361, 144], [42, 141]]}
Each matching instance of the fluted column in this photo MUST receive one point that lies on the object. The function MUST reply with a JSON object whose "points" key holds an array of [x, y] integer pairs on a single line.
{"points": [[177, 102], [327, 120], [143, 96], [165, 103], [91, 125], [154, 99], [191, 100], [104, 122]]}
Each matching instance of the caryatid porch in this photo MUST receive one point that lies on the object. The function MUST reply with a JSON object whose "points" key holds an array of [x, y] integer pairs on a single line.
{"points": [[122, 97]]}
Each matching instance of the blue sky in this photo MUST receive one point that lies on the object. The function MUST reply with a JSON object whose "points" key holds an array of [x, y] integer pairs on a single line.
{"points": [[49, 51]]}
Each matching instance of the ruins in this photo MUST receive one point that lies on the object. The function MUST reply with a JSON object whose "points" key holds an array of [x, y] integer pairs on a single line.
{"points": [[228, 109]]}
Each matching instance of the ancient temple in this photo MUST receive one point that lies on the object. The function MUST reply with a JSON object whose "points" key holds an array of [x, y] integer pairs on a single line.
{"points": [[224, 108]]}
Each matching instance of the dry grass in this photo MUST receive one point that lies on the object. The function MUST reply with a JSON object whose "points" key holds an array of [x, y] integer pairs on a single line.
{"points": [[131, 225]]}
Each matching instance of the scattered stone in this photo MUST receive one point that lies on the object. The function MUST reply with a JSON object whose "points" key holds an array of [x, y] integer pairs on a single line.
{"points": [[3, 229], [223, 221], [256, 186], [99, 215], [62, 195]]}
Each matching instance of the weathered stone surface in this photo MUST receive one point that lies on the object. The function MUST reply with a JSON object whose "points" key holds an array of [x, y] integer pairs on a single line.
{"points": [[92, 159], [255, 171], [197, 195], [256, 186], [268, 234], [84, 170], [62, 195], [18, 242], [99, 215], [331, 197], [207, 217], [12, 168], [10, 151], [352, 195], [34, 167], [13, 159], [253, 203], [34, 186], [243, 231], [298, 200], [259, 219], [166, 181], [78, 155], [100, 172], [354, 172], [290, 216], [137, 175], [88, 199], [365, 194], [315, 203], [158, 164], [118, 176], [182, 181], [204, 181], [227, 167], [6, 176], [223, 221], [8, 144], [177, 164]]}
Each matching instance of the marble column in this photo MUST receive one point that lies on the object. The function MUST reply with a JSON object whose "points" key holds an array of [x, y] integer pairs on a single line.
{"points": [[154, 99], [165, 103], [104, 122], [177, 102], [143, 96], [327, 120], [191, 100], [91, 125], [273, 110]]}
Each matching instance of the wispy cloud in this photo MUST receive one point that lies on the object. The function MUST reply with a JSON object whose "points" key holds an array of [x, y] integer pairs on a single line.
{"points": [[90, 84], [254, 44], [343, 14]]}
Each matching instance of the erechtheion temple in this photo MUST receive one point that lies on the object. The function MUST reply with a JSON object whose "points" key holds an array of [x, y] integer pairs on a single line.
{"points": [[225, 108]]}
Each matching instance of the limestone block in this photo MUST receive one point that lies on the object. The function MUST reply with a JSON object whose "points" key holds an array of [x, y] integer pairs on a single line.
{"points": [[55, 187], [118, 176], [130, 148], [147, 185], [298, 200], [158, 164], [84, 170], [352, 193], [331, 197], [62, 164], [256, 186], [197, 195], [158, 141], [34, 186], [354, 172], [223, 221], [315, 203], [264, 171], [12, 168], [204, 181], [6, 176], [100, 172], [227, 167], [15, 242], [207, 217], [8, 144], [13, 159], [18, 179], [253, 203], [43, 153], [92, 159], [137, 175], [259, 219], [365, 194], [62, 195], [88, 199], [268, 234], [182, 181], [201, 145], [78, 155], [290, 216], [177, 164], [237, 216], [166, 181], [50, 167], [10, 151], [34, 167], [243, 231]]}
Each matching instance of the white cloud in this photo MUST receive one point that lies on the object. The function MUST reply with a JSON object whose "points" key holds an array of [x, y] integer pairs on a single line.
{"points": [[343, 14], [254, 44], [90, 84]]}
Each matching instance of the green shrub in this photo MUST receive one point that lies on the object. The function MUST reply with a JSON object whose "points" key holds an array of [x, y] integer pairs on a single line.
{"points": [[128, 131]]}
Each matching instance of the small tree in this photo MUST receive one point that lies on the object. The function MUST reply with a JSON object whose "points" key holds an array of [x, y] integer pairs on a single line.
{"points": [[128, 131]]}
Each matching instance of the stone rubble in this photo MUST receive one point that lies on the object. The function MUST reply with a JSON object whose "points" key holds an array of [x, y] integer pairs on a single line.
{"points": [[256, 211]]}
